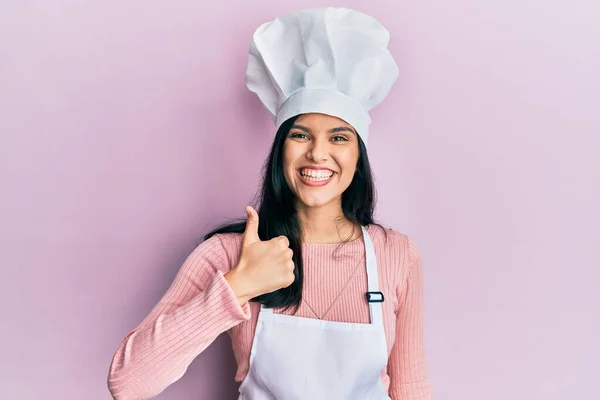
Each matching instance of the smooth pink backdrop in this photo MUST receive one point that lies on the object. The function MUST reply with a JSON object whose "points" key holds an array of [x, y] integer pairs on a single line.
{"points": [[127, 132]]}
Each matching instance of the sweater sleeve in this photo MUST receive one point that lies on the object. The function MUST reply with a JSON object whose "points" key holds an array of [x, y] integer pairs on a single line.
{"points": [[407, 365], [198, 306]]}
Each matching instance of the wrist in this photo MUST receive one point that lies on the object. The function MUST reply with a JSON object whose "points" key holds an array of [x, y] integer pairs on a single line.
{"points": [[238, 286]]}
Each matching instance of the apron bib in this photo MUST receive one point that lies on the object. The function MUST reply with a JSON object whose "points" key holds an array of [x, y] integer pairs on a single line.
{"points": [[298, 358]]}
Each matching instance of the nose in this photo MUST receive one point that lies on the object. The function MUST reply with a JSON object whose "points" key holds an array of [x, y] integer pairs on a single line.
{"points": [[318, 151]]}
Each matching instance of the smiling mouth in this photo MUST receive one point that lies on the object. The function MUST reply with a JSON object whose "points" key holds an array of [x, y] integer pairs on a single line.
{"points": [[312, 177]]}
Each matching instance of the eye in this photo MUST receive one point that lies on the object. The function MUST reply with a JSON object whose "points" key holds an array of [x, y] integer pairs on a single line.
{"points": [[298, 135], [342, 138]]}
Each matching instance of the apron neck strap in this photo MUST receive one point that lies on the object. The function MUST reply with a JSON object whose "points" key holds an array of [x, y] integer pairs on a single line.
{"points": [[374, 296]]}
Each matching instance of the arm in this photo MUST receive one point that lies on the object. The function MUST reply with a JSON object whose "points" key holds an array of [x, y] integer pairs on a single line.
{"points": [[407, 365], [197, 307]]}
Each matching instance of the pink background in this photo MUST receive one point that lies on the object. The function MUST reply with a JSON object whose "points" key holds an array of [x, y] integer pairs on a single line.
{"points": [[127, 132]]}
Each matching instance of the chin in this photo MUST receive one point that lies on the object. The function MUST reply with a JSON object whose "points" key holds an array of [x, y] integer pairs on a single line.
{"points": [[315, 201]]}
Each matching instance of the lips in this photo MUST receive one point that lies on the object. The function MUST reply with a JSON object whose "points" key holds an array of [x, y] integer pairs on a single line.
{"points": [[315, 181]]}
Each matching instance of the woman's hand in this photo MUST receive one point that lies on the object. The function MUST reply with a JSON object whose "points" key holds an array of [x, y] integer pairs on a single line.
{"points": [[264, 266]]}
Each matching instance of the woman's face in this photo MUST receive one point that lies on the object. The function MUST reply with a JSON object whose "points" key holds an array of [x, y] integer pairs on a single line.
{"points": [[320, 154]]}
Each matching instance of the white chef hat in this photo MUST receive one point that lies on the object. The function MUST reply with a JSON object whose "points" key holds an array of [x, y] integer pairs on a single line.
{"points": [[330, 60]]}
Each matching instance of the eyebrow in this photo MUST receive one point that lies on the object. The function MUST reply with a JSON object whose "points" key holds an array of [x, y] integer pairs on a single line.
{"points": [[337, 129]]}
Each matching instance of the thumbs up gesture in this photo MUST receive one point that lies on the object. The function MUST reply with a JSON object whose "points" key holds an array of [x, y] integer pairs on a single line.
{"points": [[264, 266]]}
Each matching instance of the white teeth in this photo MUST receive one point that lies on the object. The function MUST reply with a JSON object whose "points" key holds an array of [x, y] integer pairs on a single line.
{"points": [[316, 175], [311, 178]]}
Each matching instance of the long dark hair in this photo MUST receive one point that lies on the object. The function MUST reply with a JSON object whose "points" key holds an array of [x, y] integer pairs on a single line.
{"points": [[277, 214]]}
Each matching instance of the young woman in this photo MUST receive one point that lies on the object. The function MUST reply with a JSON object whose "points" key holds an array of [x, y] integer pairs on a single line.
{"points": [[319, 300]]}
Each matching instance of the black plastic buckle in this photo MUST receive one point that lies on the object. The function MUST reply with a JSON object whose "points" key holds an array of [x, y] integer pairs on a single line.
{"points": [[371, 300]]}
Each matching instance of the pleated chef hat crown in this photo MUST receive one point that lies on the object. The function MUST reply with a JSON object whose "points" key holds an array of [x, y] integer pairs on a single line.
{"points": [[332, 61]]}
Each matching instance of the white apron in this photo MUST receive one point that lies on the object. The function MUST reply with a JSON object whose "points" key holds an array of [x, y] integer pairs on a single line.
{"points": [[297, 358]]}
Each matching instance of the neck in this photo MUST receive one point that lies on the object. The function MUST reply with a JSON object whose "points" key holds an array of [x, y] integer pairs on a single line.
{"points": [[326, 224]]}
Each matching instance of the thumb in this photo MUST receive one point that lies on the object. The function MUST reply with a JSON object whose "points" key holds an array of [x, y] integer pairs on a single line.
{"points": [[251, 233]]}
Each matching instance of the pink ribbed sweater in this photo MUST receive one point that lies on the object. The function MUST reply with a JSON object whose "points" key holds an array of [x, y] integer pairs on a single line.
{"points": [[200, 305]]}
